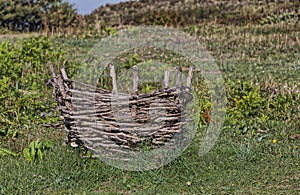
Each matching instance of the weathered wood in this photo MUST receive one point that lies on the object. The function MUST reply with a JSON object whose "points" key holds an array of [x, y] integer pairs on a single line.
{"points": [[135, 79], [178, 79], [114, 79], [116, 121], [53, 73], [189, 78], [166, 79], [64, 74]]}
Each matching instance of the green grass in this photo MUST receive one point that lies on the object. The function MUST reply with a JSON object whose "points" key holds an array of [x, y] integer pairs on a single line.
{"points": [[274, 169], [238, 164]]}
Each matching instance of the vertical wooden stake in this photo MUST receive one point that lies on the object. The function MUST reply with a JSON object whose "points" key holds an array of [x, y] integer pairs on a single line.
{"points": [[189, 78], [166, 79], [178, 79], [114, 80], [64, 74], [135, 79], [53, 73]]}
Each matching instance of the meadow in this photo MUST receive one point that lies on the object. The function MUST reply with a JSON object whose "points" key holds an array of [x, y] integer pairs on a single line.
{"points": [[258, 151]]}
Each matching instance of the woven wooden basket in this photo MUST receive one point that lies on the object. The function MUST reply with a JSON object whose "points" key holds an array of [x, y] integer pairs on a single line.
{"points": [[99, 118]]}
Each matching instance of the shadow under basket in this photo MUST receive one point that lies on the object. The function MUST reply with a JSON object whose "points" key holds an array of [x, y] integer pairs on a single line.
{"points": [[101, 119]]}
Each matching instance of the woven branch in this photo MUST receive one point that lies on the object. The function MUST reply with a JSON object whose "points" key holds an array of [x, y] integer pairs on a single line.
{"points": [[113, 121]]}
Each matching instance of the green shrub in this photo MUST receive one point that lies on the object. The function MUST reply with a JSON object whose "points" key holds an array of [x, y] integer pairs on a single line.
{"points": [[253, 110], [24, 95], [244, 101]]}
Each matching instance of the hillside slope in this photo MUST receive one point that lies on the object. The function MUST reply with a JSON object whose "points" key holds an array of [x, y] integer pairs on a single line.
{"points": [[186, 12]]}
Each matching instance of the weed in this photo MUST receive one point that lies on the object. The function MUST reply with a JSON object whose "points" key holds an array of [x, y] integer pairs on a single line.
{"points": [[5, 151], [36, 149], [244, 152]]}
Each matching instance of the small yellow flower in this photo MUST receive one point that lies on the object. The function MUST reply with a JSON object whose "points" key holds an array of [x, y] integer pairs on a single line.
{"points": [[274, 141], [189, 183]]}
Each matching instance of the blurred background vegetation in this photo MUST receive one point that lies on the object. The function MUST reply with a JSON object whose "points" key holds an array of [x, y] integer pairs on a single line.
{"points": [[61, 18]]}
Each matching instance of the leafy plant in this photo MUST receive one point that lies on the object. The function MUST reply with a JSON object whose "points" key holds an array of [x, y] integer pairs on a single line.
{"points": [[244, 103], [5, 152], [109, 31], [131, 61], [36, 149]]}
